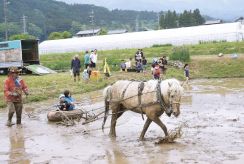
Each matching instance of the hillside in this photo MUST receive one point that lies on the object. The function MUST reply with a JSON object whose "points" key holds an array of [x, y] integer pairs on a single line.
{"points": [[46, 16]]}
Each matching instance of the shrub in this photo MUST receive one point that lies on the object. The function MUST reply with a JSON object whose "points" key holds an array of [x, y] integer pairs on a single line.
{"points": [[180, 53]]}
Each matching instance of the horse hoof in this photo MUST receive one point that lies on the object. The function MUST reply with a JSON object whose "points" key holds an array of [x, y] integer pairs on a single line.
{"points": [[112, 135], [141, 139]]}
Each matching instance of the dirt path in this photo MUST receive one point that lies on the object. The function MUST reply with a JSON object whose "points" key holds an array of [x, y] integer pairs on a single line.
{"points": [[213, 110], [216, 57]]}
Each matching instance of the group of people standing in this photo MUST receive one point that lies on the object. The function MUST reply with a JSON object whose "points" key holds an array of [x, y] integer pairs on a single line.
{"points": [[158, 67], [139, 64], [140, 60], [90, 63]]}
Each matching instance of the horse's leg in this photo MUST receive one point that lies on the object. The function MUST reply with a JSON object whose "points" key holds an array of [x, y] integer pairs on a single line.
{"points": [[115, 115], [146, 125], [159, 122], [112, 132]]}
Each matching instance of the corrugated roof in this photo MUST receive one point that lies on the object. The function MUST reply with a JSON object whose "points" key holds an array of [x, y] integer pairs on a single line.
{"points": [[88, 32], [213, 22], [117, 31]]}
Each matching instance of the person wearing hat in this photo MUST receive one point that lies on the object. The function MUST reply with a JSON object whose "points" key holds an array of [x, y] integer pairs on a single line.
{"points": [[14, 87]]}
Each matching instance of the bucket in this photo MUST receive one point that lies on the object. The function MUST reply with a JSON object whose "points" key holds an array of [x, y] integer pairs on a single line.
{"points": [[95, 75]]}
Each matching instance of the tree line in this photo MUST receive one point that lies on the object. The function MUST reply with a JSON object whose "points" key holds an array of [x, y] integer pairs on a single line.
{"points": [[171, 19]]}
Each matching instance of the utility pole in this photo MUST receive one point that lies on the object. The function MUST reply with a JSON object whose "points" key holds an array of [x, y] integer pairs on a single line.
{"points": [[158, 20], [24, 24], [92, 21], [5, 11], [137, 23]]}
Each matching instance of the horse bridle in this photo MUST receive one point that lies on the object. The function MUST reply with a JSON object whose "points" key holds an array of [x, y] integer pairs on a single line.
{"points": [[172, 102]]}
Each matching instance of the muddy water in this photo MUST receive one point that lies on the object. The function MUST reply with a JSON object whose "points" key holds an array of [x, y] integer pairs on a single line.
{"points": [[212, 109]]}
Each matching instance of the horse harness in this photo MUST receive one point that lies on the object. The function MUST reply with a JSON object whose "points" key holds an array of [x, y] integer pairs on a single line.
{"points": [[123, 93], [160, 99], [140, 89]]}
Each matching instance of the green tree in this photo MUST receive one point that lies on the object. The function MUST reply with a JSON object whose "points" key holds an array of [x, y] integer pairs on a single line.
{"points": [[34, 30], [75, 27], [103, 31], [66, 34], [21, 36], [55, 36], [59, 35], [198, 17]]}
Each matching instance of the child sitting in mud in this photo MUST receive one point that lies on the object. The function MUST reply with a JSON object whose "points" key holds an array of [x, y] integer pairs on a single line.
{"points": [[66, 102]]}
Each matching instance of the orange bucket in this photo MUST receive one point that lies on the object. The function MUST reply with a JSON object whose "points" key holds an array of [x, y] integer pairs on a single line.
{"points": [[95, 75]]}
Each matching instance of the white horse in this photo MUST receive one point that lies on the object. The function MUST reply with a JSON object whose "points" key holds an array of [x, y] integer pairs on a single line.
{"points": [[152, 98]]}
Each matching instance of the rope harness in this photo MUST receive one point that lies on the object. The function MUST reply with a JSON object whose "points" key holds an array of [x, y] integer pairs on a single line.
{"points": [[123, 93], [140, 89], [161, 101]]}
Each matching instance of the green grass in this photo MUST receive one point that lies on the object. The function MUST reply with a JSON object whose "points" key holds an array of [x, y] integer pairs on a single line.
{"points": [[221, 68], [62, 61]]}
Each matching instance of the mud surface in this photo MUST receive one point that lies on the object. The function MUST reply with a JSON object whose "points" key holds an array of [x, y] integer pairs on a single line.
{"points": [[212, 109]]}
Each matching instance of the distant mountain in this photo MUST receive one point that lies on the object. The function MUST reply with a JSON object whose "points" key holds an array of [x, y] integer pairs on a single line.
{"points": [[46, 16], [221, 9]]}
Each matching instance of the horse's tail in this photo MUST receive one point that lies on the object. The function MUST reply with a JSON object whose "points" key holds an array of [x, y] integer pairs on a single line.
{"points": [[107, 98]]}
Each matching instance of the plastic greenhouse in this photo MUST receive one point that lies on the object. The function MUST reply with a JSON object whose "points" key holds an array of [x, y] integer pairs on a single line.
{"points": [[178, 36]]}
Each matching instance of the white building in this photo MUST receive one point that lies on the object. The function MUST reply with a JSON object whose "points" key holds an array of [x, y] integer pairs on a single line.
{"points": [[178, 36]]}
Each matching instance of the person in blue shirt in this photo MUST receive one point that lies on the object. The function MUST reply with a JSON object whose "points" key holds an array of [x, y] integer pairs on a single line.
{"points": [[123, 66], [66, 101], [139, 67], [87, 59]]}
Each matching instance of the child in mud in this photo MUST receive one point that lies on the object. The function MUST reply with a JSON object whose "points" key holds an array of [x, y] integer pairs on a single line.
{"points": [[66, 102], [187, 72]]}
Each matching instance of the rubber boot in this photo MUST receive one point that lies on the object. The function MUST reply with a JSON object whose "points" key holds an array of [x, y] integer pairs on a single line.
{"points": [[18, 120], [9, 122], [18, 116]]}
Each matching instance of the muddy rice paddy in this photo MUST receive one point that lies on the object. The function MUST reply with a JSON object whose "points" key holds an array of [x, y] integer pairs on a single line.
{"points": [[212, 112]]}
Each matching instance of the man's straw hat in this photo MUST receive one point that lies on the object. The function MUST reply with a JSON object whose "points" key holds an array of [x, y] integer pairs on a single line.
{"points": [[14, 70]]}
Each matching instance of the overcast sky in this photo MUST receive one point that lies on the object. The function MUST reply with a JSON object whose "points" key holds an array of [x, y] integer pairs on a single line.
{"points": [[227, 9]]}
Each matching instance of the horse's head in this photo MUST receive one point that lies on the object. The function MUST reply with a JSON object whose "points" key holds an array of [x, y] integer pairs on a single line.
{"points": [[175, 92]]}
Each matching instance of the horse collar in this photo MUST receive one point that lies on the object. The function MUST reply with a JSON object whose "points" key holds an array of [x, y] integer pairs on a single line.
{"points": [[161, 101]]}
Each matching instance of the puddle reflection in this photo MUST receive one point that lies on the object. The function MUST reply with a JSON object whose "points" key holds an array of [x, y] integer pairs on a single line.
{"points": [[17, 146]]}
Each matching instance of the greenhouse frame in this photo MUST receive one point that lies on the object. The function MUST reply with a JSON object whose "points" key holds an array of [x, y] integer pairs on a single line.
{"points": [[229, 32]]}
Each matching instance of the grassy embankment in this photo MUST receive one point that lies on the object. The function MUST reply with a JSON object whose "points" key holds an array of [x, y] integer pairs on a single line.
{"points": [[204, 64]]}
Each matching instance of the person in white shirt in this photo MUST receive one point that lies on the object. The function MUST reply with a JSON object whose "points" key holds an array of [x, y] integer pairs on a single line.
{"points": [[93, 58]]}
